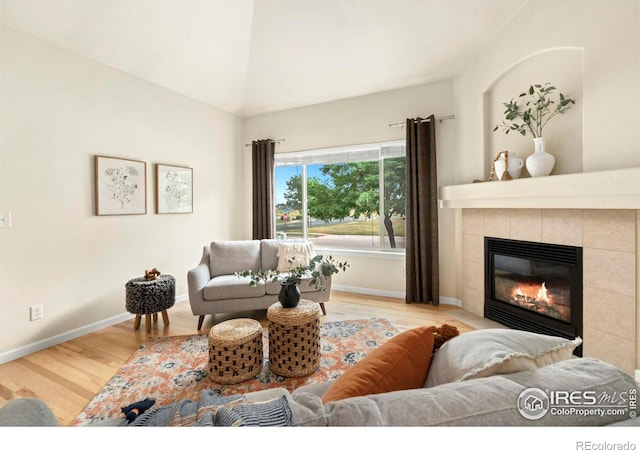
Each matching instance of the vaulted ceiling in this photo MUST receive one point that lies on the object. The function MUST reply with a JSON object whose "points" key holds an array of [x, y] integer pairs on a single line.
{"points": [[253, 56]]}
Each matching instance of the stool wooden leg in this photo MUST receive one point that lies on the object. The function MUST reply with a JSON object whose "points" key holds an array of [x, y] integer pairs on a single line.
{"points": [[324, 311], [147, 322], [165, 317], [136, 324], [155, 317]]}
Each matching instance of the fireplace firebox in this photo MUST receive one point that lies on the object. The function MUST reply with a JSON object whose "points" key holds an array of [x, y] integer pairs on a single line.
{"points": [[535, 287]]}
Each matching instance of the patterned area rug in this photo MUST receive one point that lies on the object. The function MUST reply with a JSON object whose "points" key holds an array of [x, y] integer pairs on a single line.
{"points": [[173, 368]]}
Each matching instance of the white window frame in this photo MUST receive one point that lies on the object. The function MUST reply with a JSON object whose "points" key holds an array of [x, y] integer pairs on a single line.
{"points": [[376, 151]]}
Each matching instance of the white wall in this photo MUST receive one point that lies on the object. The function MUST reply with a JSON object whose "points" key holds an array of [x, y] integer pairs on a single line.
{"points": [[57, 111], [362, 120]]}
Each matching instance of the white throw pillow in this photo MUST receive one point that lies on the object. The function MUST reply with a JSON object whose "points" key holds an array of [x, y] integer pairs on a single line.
{"points": [[482, 353], [293, 254]]}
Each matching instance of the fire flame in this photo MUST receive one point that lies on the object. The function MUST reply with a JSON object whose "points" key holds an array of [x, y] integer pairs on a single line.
{"points": [[536, 297], [542, 295]]}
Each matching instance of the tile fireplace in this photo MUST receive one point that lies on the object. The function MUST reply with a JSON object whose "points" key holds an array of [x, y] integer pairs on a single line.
{"points": [[610, 243]]}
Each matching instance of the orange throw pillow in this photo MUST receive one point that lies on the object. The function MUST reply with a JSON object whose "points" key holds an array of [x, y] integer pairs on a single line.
{"points": [[400, 363]]}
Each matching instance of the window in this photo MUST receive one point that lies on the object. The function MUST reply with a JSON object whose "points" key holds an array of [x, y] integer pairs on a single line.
{"points": [[347, 198]]}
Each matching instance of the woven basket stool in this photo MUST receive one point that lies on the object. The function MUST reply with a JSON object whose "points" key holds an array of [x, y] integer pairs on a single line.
{"points": [[294, 339], [235, 351], [149, 298]]}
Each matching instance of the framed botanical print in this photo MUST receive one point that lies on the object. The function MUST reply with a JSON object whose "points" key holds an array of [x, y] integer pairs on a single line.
{"points": [[174, 189], [120, 186]]}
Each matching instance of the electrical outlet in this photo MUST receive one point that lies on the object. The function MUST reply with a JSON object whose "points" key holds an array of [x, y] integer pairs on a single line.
{"points": [[36, 312], [400, 272], [5, 220]]}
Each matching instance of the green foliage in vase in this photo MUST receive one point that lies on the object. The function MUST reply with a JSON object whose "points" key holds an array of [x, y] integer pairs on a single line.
{"points": [[536, 107], [318, 268]]}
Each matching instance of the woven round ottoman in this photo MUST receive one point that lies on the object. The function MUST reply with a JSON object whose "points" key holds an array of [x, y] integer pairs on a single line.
{"points": [[145, 297], [235, 351], [294, 339]]}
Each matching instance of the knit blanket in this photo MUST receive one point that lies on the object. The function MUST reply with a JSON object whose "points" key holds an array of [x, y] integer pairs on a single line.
{"points": [[214, 410]]}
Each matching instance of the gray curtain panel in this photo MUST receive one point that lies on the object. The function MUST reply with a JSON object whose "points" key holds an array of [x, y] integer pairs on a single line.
{"points": [[262, 159], [422, 213]]}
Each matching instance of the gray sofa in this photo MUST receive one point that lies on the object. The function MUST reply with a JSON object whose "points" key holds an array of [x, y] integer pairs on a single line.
{"points": [[214, 288], [490, 401]]}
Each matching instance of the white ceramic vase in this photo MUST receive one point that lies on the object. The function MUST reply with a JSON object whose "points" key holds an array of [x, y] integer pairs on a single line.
{"points": [[540, 163]]}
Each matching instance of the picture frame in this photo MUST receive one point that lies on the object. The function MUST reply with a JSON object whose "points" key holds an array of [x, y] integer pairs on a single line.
{"points": [[174, 189], [120, 186]]}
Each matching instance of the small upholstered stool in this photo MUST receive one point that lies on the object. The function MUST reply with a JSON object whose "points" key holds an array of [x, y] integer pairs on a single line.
{"points": [[235, 351], [294, 339], [149, 297]]}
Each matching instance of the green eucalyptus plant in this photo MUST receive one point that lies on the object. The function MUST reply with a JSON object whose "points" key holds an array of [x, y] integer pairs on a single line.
{"points": [[540, 106], [318, 265]]}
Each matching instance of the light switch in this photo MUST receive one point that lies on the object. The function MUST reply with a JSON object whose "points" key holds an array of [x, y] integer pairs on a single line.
{"points": [[5, 220]]}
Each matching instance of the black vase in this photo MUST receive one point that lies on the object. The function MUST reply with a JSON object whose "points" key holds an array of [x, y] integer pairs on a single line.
{"points": [[289, 295]]}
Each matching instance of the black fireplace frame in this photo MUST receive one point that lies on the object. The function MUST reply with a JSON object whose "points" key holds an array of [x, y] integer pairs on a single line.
{"points": [[523, 319]]}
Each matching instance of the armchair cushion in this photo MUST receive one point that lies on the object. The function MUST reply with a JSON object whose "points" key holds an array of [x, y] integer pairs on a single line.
{"points": [[229, 257], [225, 287], [269, 250]]}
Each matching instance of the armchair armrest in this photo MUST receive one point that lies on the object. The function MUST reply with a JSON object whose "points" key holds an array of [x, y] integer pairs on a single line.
{"points": [[197, 279]]}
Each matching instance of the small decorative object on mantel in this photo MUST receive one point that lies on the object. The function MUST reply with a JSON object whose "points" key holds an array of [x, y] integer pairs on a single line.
{"points": [[505, 167], [539, 108], [318, 268], [151, 275]]}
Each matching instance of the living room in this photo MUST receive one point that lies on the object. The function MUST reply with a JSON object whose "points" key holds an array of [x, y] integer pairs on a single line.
{"points": [[59, 109]]}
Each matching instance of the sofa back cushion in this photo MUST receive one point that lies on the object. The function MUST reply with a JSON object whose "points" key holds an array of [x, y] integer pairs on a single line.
{"points": [[269, 249], [229, 257]]}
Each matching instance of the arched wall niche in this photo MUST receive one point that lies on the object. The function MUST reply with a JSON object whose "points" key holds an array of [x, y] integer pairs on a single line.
{"points": [[564, 69]]}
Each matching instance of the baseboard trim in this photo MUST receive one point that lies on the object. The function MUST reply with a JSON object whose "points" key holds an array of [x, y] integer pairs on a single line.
{"points": [[367, 291], [23, 351], [638, 375], [451, 301], [392, 294]]}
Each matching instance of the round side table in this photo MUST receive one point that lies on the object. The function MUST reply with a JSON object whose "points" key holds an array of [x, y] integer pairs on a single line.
{"points": [[235, 351], [294, 339], [150, 297]]}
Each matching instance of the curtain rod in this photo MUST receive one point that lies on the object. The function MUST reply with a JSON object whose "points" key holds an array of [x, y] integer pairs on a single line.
{"points": [[277, 141], [439, 119]]}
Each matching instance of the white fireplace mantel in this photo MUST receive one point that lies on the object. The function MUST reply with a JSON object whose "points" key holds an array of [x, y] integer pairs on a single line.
{"points": [[611, 189]]}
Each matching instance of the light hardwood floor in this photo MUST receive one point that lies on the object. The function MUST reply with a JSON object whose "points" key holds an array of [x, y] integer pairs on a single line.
{"points": [[67, 376]]}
